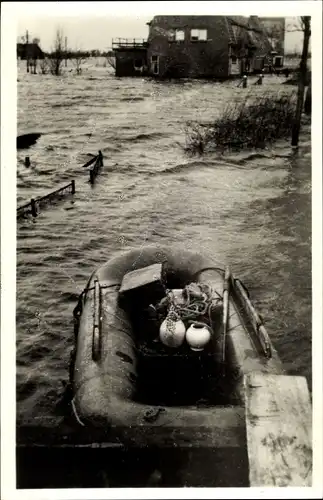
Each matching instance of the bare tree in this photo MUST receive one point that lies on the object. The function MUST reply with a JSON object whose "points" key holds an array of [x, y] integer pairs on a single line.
{"points": [[34, 55], [79, 58], [57, 55], [111, 59], [27, 50], [44, 66], [65, 51], [305, 23]]}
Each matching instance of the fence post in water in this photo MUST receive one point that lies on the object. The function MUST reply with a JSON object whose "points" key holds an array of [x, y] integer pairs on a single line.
{"points": [[73, 186], [33, 207], [244, 81], [27, 161], [92, 176], [101, 158]]}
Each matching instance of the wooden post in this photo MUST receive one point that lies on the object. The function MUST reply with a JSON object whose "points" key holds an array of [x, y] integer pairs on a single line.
{"points": [[244, 81], [33, 207], [73, 186], [27, 161], [92, 176], [101, 158], [302, 81]]}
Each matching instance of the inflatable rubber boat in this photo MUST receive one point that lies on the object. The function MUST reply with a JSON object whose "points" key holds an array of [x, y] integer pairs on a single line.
{"points": [[173, 382], [132, 381]]}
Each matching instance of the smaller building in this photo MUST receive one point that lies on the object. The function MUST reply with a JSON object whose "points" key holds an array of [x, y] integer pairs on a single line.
{"points": [[130, 56], [30, 51]]}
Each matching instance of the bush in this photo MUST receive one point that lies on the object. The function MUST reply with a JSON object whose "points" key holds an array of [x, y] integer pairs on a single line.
{"points": [[248, 124]]}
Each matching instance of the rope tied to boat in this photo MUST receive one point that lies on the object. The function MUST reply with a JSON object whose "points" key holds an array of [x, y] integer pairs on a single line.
{"points": [[190, 303]]}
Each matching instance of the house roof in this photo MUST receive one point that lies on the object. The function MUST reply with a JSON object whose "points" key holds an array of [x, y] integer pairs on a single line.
{"points": [[259, 35], [28, 46], [234, 27], [253, 30]]}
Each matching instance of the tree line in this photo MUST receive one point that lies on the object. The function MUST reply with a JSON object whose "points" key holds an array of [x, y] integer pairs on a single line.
{"points": [[52, 62]]}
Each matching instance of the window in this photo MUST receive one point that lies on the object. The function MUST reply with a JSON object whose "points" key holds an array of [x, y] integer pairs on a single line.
{"points": [[198, 35], [179, 35]]}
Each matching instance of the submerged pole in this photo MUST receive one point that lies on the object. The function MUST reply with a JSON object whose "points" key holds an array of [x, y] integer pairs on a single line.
{"points": [[33, 207], [101, 158], [92, 176]]}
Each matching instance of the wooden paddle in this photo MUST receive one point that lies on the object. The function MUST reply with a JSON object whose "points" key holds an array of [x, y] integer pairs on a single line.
{"points": [[226, 290]]}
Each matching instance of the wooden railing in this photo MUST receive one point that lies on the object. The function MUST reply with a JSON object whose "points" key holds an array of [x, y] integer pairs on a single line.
{"points": [[35, 204], [129, 43]]}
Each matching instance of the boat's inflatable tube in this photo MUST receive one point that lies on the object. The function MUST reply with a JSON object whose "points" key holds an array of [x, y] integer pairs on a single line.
{"points": [[105, 366], [104, 387]]}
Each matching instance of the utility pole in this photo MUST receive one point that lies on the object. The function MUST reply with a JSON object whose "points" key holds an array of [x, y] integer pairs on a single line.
{"points": [[65, 51], [27, 50], [302, 80]]}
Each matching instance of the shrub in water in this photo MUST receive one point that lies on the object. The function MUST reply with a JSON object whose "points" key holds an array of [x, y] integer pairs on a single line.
{"points": [[247, 124]]}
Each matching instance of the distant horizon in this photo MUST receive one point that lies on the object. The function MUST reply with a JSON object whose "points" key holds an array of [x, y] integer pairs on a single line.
{"points": [[95, 33]]}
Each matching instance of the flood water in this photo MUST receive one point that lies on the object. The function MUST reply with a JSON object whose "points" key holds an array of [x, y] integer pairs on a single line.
{"points": [[251, 210]]}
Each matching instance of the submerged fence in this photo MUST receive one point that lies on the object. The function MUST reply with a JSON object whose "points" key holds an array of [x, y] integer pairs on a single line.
{"points": [[35, 204]]}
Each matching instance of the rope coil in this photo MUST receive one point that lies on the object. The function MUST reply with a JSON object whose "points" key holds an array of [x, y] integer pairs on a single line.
{"points": [[196, 302]]}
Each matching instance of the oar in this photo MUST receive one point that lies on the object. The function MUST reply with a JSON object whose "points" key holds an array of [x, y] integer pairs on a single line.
{"points": [[226, 290]]}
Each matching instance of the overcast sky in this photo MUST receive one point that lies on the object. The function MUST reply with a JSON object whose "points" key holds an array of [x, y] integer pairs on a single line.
{"points": [[91, 33], [92, 25], [97, 32]]}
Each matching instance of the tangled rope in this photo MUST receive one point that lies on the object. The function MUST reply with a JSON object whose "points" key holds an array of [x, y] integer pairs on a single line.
{"points": [[195, 301]]}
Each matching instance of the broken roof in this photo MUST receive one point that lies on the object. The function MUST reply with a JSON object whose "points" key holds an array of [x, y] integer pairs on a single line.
{"points": [[235, 27]]}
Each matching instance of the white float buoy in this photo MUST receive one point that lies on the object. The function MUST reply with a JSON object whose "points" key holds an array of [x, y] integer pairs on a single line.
{"points": [[172, 332], [198, 336]]}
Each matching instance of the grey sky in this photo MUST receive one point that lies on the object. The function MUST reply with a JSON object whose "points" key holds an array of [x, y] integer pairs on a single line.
{"points": [[95, 32], [90, 33]]}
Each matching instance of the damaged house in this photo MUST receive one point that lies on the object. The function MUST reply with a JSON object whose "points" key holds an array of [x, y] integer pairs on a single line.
{"points": [[196, 47]]}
